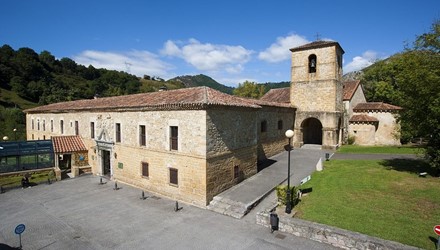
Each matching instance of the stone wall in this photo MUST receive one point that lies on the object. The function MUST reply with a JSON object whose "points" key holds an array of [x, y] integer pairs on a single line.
{"points": [[127, 167], [272, 141], [385, 132], [126, 156], [331, 127], [320, 91], [331, 235], [231, 141]]}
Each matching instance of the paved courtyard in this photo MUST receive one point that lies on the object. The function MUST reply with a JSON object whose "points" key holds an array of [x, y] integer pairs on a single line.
{"points": [[81, 214]]}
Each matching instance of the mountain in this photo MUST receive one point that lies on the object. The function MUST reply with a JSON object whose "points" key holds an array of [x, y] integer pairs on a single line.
{"points": [[201, 80]]}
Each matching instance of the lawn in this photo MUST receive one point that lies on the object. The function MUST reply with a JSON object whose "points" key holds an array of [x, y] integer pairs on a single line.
{"points": [[355, 149], [374, 198], [15, 180]]}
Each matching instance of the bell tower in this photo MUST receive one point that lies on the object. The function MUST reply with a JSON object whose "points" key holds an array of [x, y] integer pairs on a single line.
{"points": [[316, 91]]}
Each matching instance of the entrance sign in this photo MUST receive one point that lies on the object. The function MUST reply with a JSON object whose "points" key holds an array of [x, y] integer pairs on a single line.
{"points": [[20, 229], [437, 230]]}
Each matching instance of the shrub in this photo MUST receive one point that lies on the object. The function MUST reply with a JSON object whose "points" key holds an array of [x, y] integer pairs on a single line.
{"points": [[282, 193], [351, 140]]}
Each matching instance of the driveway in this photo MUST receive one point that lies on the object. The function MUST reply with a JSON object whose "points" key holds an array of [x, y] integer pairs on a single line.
{"points": [[81, 214]]}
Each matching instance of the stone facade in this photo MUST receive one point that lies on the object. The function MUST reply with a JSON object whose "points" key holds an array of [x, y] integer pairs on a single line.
{"points": [[316, 91], [384, 132], [217, 146]]}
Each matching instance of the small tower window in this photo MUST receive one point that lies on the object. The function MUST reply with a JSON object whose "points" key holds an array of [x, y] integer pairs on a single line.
{"points": [[312, 63]]}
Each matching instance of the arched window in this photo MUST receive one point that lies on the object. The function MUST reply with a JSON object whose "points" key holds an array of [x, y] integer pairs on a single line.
{"points": [[312, 63]]}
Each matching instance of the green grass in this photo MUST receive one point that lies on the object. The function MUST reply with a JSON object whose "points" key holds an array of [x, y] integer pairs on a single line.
{"points": [[372, 198], [10, 98], [15, 180], [355, 149]]}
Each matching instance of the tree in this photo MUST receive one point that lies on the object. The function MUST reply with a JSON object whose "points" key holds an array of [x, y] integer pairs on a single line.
{"points": [[250, 89], [411, 79]]}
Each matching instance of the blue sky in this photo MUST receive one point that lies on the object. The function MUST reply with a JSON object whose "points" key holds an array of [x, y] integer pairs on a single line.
{"points": [[231, 41]]}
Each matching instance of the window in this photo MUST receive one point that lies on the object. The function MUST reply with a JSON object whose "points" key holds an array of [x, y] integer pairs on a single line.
{"points": [[174, 134], [280, 124], [174, 176], [62, 127], [142, 136], [32, 124], [236, 171], [38, 125], [145, 170], [312, 63], [44, 125], [44, 137], [92, 130], [264, 126], [76, 128], [51, 125], [118, 132]]}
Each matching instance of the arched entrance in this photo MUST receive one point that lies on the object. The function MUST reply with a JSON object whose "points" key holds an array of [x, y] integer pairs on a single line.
{"points": [[312, 131]]}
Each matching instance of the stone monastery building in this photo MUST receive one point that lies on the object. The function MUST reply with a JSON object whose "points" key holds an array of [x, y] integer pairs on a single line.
{"points": [[191, 144]]}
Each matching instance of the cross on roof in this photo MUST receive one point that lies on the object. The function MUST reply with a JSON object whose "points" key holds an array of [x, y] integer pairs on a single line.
{"points": [[318, 36]]}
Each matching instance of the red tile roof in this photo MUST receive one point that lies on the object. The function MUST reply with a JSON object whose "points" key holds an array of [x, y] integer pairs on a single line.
{"points": [[316, 45], [281, 95], [375, 106], [68, 144], [350, 88], [363, 118], [180, 99]]}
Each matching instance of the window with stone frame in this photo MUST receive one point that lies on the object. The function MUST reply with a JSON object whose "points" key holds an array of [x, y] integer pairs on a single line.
{"points": [[32, 124], [236, 171], [44, 125], [118, 132], [51, 125], [76, 128], [280, 124], [174, 176], [92, 130], [145, 169], [263, 128], [174, 137], [38, 124], [142, 135], [312, 63], [62, 126]]}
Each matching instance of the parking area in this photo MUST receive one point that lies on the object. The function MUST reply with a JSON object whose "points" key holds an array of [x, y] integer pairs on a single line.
{"points": [[82, 214]]}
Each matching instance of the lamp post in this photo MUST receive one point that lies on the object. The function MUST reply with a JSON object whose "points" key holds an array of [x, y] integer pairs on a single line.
{"points": [[289, 135], [15, 134], [5, 138]]}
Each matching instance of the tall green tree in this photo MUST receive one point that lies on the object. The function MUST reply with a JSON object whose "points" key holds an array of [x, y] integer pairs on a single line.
{"points": [[411, 79], [250, 89]]}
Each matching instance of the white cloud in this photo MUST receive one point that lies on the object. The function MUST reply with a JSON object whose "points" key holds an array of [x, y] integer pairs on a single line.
{"points": [[360, 62], [137, 62], [279, 51], [207, 56]]}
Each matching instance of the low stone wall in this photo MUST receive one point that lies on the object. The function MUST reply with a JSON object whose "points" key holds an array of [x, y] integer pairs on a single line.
{"points": [[327, 234]]}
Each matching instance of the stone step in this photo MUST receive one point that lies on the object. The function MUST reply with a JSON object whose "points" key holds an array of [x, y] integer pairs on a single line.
{"points": [[228, 207]]}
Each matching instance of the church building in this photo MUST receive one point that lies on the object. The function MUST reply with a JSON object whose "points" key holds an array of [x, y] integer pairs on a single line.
{"points": [[191, 144]]}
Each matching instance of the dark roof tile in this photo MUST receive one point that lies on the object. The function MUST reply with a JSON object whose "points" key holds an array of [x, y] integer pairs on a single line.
{"points": [[316, 45], [187, 98], [281, 95], [375, 106], [363, 118], [350, 88]]}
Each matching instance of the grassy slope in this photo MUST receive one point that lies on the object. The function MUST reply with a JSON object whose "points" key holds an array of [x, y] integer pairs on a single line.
{"points": [[367, 197], [9, 99]]}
